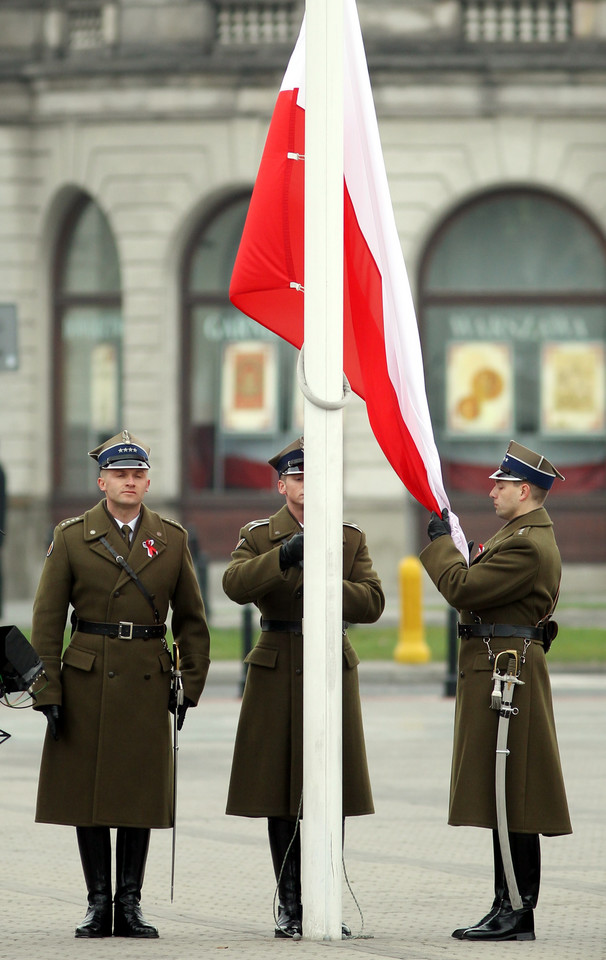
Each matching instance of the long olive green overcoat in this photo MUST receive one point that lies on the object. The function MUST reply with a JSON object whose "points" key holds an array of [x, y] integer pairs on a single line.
{"points": [[266, 777], [112, 764], [513, 580]]}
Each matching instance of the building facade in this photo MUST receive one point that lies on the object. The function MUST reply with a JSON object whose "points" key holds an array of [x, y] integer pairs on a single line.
{"points": [[130, 136]]}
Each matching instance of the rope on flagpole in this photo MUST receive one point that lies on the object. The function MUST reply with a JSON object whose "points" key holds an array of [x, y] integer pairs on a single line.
{"points": [[307, 392]]}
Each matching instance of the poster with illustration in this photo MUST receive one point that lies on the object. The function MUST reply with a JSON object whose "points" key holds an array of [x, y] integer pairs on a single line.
{"points": [[479, 388], [573, 394], [249, 387]]}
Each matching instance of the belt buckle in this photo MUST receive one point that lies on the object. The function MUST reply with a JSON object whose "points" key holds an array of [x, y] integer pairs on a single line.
{"points": [[128, 625]]}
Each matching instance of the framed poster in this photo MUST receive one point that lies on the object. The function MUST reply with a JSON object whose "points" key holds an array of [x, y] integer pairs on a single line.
{"points": [[249, 387], [479, 388], [573, 394]]}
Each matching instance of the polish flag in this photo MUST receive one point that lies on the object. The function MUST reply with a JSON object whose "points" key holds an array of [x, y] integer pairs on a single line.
{"points": [[381, 348]]}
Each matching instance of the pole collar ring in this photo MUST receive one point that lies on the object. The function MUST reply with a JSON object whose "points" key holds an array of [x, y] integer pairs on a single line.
{"points": [[308, 393]]}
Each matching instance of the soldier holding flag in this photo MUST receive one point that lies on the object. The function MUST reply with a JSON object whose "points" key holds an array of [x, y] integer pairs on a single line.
{"points": [[506, 598]]}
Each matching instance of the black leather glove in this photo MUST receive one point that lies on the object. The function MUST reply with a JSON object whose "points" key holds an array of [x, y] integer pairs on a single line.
{"points": [[438, 527], [53, 717], [291, 552], [181, 709]]}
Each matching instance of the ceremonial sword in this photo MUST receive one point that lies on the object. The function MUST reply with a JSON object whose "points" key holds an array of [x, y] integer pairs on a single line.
{"points": [[177, 686], [502, 696]]}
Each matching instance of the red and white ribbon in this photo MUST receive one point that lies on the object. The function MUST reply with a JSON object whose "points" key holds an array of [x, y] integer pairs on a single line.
{"points": [[151, 550]]}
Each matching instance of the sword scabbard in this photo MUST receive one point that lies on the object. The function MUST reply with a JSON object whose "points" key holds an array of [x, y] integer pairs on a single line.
{"points": [[508, 682], [177, 684]]}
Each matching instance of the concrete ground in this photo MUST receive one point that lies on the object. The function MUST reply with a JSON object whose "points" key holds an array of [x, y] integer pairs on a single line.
{"points": [[414, 878]]}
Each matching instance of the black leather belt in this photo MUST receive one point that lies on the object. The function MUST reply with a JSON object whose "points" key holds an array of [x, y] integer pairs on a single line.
{"points": [[289, 626], [282, 626], [124, 630], [466, 630]]}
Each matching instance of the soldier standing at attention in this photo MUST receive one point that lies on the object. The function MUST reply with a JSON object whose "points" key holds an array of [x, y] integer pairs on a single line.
{"points": [[267, 770], [106, 760], [505, 600]]}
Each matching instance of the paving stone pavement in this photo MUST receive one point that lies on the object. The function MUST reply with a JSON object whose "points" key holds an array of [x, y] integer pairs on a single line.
{"points": [[414, 877]]}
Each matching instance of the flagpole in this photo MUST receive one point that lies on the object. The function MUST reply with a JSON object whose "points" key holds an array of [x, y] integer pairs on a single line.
{"points": [[323, 562]]}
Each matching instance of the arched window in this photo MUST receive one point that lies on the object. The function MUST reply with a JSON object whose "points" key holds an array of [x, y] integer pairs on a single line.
{"points": [[88, 344], [240, 403], [513, 314]]}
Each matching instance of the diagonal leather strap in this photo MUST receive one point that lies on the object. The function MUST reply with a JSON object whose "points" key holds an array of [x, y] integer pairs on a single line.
{"points": [[129, 570]]}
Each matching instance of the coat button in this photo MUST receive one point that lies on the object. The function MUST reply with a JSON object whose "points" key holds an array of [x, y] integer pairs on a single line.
{"points": [[116, 593], [299, 594], [462, 673], [111, 674], [298, 671], [147, 676]]}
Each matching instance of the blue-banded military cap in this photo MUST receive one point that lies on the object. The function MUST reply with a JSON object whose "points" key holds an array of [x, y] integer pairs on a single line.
{"points": [[289, 460], [122, 452], [520, 463]]}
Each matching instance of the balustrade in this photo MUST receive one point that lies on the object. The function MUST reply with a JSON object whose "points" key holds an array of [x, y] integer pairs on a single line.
{"points": [[517, 21], [257, 23]]}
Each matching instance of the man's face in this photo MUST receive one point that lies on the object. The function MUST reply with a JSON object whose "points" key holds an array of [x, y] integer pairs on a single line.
{"points": [[508, 498], [291, 485], [124, 487]]}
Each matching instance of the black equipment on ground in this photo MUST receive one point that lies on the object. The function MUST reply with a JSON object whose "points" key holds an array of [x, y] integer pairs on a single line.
{"points": [[20, 665]]}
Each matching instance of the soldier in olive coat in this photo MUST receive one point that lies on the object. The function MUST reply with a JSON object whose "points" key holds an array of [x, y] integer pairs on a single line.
{"points": [[505, 599], [266, 777], [107, 757]]}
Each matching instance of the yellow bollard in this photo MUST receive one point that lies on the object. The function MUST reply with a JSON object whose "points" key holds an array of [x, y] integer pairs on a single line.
{"points": [[411, 646]]}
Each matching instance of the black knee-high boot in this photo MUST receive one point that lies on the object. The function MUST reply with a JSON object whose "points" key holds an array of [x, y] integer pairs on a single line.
{"points": [[503, 922], [288, 876], [287, 868], [95, 853], [132, 844], [500, 887]]}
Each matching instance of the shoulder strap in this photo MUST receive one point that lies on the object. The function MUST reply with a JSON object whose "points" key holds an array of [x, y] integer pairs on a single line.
{"points": [[129, 570]]}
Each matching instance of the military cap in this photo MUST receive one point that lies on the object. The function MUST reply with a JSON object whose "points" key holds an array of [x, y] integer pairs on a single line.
{"points": [[289, 460], [121, 452], [520, 463]]}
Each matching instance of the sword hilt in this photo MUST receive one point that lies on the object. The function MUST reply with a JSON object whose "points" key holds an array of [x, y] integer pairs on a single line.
{"points": [[502, 691]]}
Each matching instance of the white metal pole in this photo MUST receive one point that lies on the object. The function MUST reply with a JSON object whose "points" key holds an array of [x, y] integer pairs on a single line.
{"points": [[323, 561]]}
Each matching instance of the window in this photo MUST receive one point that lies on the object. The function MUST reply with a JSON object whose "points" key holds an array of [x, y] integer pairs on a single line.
{"points": [[88, 343], [513, 308], [84, 27], [240, 400]]}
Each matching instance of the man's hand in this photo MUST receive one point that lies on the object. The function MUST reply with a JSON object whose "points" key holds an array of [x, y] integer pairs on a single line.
{"points": [[291, 552], [438, 527], [53, 718], [181, 709]]}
